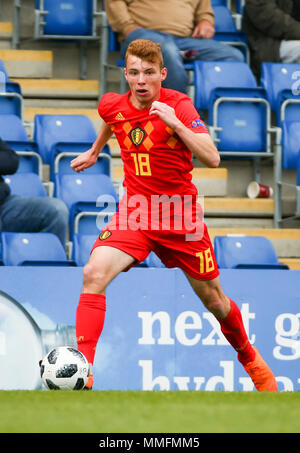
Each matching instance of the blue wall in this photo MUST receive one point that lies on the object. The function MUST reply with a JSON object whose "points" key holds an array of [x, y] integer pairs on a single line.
{"points": [[157, 334]]}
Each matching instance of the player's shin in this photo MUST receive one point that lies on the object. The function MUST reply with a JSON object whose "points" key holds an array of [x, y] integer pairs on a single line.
{"points": [[233, 329], [90, 316]]}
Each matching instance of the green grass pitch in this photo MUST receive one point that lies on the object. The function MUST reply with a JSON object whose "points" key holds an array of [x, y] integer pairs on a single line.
{"points": [[148, 412]]}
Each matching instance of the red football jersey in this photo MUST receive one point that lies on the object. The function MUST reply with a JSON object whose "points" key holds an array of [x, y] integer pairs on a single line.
{"points": [[155, 159]]}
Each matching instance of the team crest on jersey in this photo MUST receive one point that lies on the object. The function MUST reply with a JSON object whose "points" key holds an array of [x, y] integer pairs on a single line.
{"points": [[137, 135], [105, 235]]}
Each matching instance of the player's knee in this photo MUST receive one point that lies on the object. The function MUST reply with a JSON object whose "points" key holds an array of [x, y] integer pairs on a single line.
{"points": [[95, 277]]}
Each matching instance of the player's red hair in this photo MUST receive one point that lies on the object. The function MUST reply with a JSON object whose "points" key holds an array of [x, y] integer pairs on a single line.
{"points": [[145, 50]]}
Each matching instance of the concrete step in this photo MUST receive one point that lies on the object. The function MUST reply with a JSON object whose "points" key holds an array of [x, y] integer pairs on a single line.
{"points": [[239, 222], [293, 263], [59, 88], [211, 182], [60, 103], [286, 241], [238, 207], [6, 29], [30, 112], [6, 33], [27, 63]]}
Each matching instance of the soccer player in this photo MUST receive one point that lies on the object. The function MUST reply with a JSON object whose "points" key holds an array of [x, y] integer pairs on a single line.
{"points": [[158, 131]]}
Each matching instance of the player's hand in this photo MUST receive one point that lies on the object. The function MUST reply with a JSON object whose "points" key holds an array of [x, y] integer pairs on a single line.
{"points": [[83, 161], [204, 30], [165, 113]]}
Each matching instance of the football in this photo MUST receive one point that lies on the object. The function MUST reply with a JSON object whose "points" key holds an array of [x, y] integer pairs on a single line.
{"points": [[64, 368]]}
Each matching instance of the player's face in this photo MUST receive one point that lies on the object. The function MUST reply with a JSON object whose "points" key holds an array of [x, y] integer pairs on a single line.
{"points": [[144, 79]]}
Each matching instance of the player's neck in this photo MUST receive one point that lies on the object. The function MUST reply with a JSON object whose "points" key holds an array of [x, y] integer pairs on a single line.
{"points": [[140, 105]]}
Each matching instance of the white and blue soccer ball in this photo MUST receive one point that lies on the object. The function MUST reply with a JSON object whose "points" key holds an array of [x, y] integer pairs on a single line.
{"points": [[64, 368]]}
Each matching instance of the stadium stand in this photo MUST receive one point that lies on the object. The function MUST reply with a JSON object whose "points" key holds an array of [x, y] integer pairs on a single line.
{"points": [[53, 87]]}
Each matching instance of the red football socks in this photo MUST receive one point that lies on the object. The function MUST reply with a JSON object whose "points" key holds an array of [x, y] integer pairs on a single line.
{"points": [[90, 317], [234, 331]]}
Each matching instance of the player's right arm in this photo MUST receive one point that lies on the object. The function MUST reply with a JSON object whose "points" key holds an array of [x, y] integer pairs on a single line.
{"points": [[89, 158]]}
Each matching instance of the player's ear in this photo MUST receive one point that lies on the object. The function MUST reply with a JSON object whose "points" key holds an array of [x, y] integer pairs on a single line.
{"points": [[164, 73], [125, 72]]}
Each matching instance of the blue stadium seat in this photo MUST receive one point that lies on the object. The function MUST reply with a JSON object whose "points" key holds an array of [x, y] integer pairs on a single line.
{"points": [[62, 161], [65, 18], [238, 113], [26, 184], [290, 145], [281, 83], [239, 6], [13, 132], [219, 3], [153, 260], [33, 249], [74, 20], [213, 75], [6, 84], [11, 103], [246, 252], [50, 130], [227, 32], [224, 22], [12, 129], [82, 246], [11, 99], [85, 193], [3, 72], [58, 135]]}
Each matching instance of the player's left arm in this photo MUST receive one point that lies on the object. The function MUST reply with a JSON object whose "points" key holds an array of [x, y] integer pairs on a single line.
{"points": [[200, 144]]}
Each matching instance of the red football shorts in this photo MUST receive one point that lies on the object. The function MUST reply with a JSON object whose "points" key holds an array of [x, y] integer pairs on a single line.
{"points": [[195, 258]]}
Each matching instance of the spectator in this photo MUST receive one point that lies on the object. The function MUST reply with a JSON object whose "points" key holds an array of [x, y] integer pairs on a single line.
{"points": [[273, 31], [178, 25], [28, 214]]}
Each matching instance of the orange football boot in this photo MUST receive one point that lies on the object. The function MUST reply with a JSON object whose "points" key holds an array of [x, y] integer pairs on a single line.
{"points": [[261, 375], [89, 382]]}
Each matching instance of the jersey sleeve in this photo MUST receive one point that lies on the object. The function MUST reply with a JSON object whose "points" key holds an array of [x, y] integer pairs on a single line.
{"points": [[103, 107], [186, 112], [108, 106]]}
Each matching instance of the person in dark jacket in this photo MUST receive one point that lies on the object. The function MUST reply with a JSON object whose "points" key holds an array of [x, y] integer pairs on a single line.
{"points": [[28, 214], [273, 30]]}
